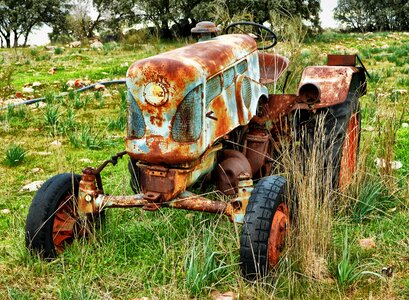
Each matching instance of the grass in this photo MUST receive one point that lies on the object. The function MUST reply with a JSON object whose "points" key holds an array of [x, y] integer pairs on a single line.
{"points": [[14, 155], [172, 254]]}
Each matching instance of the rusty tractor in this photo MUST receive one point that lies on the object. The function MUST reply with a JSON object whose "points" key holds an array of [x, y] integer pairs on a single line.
{"points": [[203, 113]]}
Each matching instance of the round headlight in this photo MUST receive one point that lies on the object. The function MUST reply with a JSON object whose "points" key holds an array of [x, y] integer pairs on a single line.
{"points": [[156, 93]]}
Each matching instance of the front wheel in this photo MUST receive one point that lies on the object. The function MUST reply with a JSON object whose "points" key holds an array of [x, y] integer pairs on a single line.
{"points": [[265, 228], [53, 221]]}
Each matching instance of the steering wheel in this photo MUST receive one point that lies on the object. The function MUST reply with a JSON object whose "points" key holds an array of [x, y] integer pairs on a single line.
{"points": [[257, 35]]}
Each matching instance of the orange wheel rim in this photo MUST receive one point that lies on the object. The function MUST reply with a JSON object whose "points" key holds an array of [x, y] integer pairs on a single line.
{"points": [[349, 151], [278, 233], [65, 219]]}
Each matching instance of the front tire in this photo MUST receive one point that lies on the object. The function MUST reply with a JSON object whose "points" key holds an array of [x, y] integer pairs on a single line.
{"points": [[265, 228], [53, 221]]}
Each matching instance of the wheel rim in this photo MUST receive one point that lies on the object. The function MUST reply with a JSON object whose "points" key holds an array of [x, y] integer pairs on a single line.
{"points": [[64, 226], [278, 233], [349, 151]]}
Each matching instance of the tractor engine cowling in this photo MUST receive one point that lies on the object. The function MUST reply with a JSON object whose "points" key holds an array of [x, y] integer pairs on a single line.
{"points": [[182, 101]]}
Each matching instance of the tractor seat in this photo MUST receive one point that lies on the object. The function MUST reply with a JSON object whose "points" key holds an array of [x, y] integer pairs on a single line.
{"points": [[272, 66]]}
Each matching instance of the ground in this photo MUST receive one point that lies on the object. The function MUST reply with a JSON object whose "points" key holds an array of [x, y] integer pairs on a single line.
{"points": [[172, 254]]}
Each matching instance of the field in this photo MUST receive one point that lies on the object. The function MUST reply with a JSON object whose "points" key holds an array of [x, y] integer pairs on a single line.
{"points": [[171, 254]]}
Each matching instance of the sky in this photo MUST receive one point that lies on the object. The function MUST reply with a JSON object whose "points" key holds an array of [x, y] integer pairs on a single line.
{"points": [[39, 36]]}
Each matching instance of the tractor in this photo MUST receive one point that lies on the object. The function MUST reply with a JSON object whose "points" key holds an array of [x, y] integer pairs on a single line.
{"points": [[203, 114]]}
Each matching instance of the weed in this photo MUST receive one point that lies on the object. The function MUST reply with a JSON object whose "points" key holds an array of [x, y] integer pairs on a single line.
{"points": [[348, 271], [49, 98], [69, 123], [6, 77], [34, 52], [51, 115], [98, 95], [77, 103], [403, 81], [118, 124], [372, 197], [86, 139], [375, 77], [14, 155], [202, 267], [58, 51]]}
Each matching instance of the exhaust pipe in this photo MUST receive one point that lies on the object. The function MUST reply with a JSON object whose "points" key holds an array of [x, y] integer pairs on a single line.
{"points": [[309, 93]]}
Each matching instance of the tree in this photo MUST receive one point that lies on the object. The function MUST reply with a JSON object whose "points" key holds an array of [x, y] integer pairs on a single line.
{"points": [[18, 18], [373, 15]]}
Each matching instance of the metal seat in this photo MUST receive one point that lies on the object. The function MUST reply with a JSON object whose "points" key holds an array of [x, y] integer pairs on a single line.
{"points": [[272, 66]]}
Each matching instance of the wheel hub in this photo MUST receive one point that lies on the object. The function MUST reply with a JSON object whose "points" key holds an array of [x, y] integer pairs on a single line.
{"points": [[278, 233]]}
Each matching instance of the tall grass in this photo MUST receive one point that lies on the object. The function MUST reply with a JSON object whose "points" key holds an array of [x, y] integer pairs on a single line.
{"points": [[310, 180]]}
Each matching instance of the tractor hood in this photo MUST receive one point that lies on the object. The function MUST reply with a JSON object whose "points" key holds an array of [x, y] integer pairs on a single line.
{"points": [[158, 85]]}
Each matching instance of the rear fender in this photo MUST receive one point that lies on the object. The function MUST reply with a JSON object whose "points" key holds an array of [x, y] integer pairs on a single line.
{"points": [[332, 84]]}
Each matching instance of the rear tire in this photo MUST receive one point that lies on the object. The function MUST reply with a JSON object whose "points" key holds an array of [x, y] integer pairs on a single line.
{"points": [[265, 228], [342, 130], [53, 221]]}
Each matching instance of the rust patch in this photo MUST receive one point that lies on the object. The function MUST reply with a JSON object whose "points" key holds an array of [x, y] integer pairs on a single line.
{"points": [[333, 82], [341, 60]]}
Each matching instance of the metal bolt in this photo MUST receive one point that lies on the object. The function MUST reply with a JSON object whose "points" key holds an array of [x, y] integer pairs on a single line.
{"points": [[88, 198]]}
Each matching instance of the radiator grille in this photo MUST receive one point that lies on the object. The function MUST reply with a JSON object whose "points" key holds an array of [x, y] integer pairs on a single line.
{"points": [[187, 124], [136, 124]]}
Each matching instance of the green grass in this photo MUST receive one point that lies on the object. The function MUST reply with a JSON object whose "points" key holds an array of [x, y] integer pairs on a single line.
{"points": [[170, 254]]}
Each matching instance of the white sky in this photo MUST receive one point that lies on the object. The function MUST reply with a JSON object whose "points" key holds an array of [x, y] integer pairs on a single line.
{"points": [[40, 36]]}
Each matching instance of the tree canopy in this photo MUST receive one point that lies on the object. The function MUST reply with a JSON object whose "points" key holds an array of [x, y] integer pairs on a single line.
{"points": [[18, 18], [373, 15]]}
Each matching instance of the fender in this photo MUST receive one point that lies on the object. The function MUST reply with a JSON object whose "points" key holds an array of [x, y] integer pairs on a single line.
{"points": [[320, 86], [323, 86]]}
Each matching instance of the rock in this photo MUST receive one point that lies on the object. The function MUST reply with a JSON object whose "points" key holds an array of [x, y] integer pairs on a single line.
{"points": [[37, 170], [78, 83], [70, 83], [36, 84], [216, 295], [99, 87], [388, 271], [56, 143], [52, 71], [367, 243], [43, 153], [29, 90], [380, 162], [32, 187], [396, 165], [5, 211], [50, 48], [75, 44], [97, 45], [19, 95], [85, 160]]}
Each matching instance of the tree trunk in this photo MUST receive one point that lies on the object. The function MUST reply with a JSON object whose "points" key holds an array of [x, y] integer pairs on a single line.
{"points": [[26, 34], [15, 38]]}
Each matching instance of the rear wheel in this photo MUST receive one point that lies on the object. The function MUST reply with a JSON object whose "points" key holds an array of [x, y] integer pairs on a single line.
{"points": [[338, 141], [265, 228], [53, 221]]}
